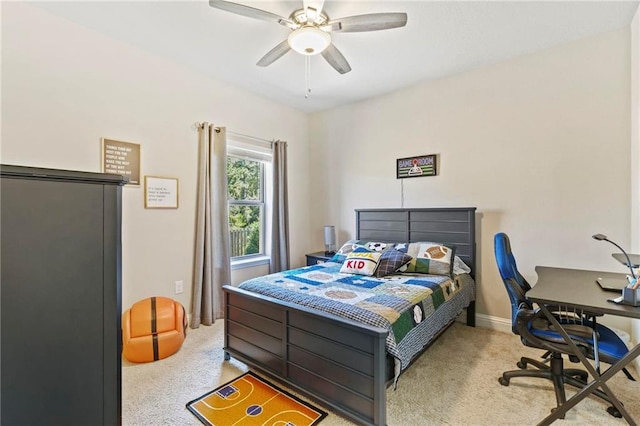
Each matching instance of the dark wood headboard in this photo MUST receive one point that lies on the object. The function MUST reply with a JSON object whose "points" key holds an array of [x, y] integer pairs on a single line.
{"points": [[454, 226]]}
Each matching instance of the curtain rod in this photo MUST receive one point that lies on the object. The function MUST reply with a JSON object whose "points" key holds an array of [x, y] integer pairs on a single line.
{"points": [[217, 130]]}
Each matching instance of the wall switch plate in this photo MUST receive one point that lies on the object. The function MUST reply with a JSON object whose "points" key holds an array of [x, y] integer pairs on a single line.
{"points": [[179, 287]]}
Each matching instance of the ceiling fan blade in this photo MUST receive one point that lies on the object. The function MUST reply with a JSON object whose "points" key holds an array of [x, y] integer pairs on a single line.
{"points": [[251, 12], [368, 22], [274, 54], [336, 59]]}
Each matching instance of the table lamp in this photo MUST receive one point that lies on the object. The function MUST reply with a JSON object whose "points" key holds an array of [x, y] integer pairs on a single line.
{"points": [[601, 237], [630, 293], [329, 239]]}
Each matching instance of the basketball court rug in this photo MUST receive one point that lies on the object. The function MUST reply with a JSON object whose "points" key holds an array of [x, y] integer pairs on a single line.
{"points": [[250, 400]]}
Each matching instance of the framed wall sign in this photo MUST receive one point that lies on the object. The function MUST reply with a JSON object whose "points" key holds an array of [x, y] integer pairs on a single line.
{"points": [[121, 158], [423, 165], [160, 192]]}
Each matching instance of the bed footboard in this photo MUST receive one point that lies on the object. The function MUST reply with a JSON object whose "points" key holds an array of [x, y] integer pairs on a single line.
{"points": [[336, 361]]}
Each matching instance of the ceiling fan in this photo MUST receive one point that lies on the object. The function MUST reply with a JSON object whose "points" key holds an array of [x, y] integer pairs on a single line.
{"points": [[312, 28]]}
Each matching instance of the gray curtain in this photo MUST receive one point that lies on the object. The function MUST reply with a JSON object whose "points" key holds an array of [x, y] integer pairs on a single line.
{"points": [[212, 264], [280, 210]]}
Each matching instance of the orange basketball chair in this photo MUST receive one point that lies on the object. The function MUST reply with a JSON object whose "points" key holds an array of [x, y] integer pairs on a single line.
{"points": [[153, 329]]}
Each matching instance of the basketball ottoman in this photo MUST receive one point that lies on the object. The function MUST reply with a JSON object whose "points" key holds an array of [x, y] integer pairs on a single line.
{"points": [[153, 329]]}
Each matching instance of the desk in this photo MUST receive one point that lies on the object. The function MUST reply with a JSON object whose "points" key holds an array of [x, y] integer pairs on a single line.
{"points": [[578, 288]]}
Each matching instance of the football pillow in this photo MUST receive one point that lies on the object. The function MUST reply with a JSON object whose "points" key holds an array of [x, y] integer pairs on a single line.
{"points": [[435, 259]]}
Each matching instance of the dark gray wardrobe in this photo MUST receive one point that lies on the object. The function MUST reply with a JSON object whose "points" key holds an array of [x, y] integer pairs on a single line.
{"points": [[60, 297]]}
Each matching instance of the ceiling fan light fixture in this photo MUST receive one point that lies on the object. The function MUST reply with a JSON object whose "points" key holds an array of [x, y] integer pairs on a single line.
{"points": [[309, 40]]}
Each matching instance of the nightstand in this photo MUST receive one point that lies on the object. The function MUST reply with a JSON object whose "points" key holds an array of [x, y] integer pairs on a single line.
{"points": [[317, 257]]}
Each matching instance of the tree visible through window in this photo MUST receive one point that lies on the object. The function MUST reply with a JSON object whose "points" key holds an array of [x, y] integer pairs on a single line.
{"points": [[245, 178]]}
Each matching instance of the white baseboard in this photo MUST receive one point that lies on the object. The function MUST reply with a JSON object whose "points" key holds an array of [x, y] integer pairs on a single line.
{"points": [[494, 323], [488, 321]]}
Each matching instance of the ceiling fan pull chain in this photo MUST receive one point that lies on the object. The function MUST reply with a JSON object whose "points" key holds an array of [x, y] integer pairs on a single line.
{"points": [[307, 76]]}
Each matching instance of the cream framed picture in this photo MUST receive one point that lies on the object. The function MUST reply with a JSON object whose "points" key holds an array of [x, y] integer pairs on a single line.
{"points": [[160, 192]]}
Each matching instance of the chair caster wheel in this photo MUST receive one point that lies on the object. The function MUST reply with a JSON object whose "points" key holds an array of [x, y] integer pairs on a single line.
{"points": [[503, 381], [582, 376], [522, 365], [614, 412]]}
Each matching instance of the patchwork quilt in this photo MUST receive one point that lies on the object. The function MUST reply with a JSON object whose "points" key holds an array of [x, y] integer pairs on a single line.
{"points": [[399, 303]]}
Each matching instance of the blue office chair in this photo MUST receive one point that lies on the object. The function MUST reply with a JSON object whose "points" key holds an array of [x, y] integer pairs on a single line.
{"points": [[535, 330]]}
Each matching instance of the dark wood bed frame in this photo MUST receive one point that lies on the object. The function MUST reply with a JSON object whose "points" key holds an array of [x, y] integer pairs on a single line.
{"points": [[337, 361]]}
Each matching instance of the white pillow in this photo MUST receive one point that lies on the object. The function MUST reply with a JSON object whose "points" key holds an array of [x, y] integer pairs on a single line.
{"points": [[361, 261], [459, 267]]}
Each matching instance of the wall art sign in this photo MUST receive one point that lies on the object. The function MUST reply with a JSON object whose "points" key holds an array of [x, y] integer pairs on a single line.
{"points": [[121, 158], [160, 192], [423, 165]]}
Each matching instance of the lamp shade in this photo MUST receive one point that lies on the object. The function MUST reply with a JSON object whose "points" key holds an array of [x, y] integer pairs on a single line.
{"points": [[309, 40], [330, 239]]}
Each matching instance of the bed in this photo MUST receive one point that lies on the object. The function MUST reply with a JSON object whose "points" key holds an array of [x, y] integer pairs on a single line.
{"points": [[340, 361]]}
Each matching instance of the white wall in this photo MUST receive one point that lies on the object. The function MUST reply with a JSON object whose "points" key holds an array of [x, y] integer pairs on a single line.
{"points": [[539, 144], [64, 87]]}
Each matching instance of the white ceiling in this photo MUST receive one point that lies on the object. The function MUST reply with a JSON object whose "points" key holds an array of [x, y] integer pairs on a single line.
{"points": [[440, 39]]}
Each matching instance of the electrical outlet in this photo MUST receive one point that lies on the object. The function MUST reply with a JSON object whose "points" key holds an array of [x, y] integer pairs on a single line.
{"points": [[179, 287]]}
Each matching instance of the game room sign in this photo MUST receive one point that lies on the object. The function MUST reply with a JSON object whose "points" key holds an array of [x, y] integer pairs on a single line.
{"points": [[424, 165]]}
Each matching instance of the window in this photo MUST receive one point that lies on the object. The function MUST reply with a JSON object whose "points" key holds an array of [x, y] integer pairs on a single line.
{"points": [[245, 178], [246, 170]]}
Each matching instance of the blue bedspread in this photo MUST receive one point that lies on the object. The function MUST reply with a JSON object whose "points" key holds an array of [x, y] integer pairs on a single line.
{"points": [[403, 304]]}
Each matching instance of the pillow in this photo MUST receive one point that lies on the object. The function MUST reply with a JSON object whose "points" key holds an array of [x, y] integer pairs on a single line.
{"points": [[350, 245], [342, 253], [390, 261], [435, 259], [361, 261], [459, 267], [376, 245]]}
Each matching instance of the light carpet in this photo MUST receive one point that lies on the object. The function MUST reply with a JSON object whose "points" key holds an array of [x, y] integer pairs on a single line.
{"points": [[455, 382]]}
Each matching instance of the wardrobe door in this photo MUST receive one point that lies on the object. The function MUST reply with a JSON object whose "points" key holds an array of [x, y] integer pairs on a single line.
{"points": [[52, 292]]}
